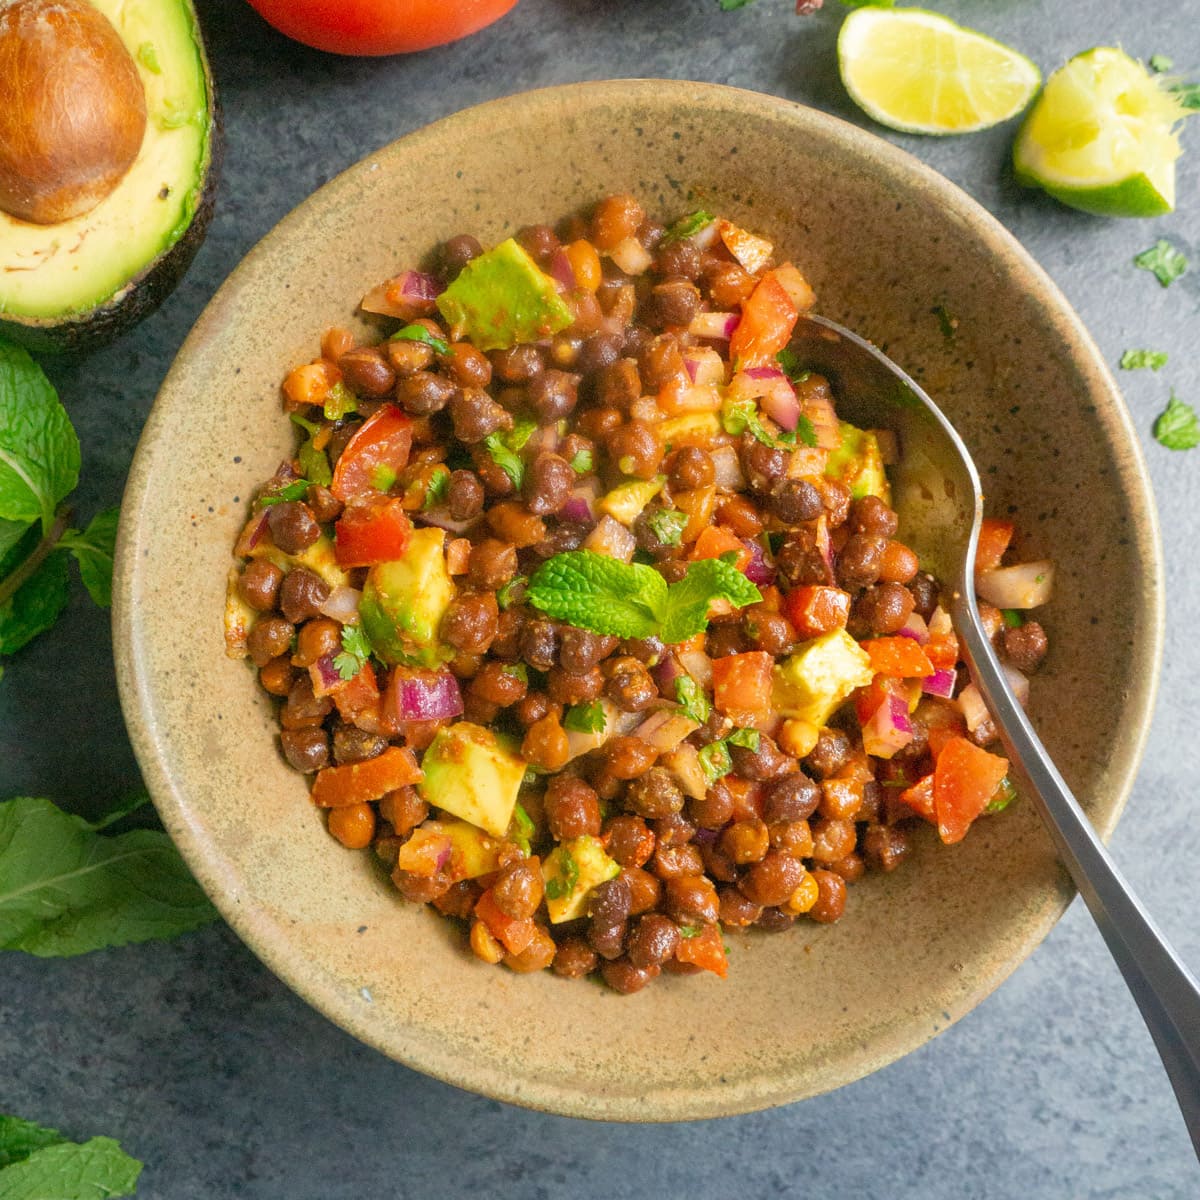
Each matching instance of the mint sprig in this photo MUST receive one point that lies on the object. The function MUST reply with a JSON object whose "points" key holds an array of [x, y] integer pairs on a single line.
{"points": [[36, 1161], [630, 600]]}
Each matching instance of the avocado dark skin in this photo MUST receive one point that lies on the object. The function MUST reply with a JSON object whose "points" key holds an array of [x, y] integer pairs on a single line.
{"points": [[145, 291]]}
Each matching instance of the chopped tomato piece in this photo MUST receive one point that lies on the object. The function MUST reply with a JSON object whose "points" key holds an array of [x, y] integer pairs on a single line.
{"points": [[374, 456], [768, 318], [361, 782], [310, 384], [943, 720], [964, 780], [699, 505], [899, 656], [747, 797], [816, 610], [919, 798], [994, 537], [513, 933], [742, 683], [706, 950], [715, 541], [357, 694], [942, 651], [867, 700], [372, 529]]}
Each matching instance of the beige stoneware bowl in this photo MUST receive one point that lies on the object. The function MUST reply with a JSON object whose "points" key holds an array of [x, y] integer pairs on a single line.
{"points": [[884, 240]]}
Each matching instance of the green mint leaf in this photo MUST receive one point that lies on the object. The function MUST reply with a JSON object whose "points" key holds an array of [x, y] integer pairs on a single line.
{"points": [[1188, 94], [583, 462], [19, 1139], [692, 699], [36, 605], [564, 883], [513, 592], [355, 652], [947, 323], [93, 550], [437, 489], [747, 739], [689, 226], [586, 718], [715, 762], [1160, 63], [314, 464], [340, 401], [39, 452], [66, 889], [601, 594], [1012, 618], [688, 601], [11, 532], [1177, 427], [1002, 797], [1136, 360], [418, 333], [296, 490], [1163, 261], [93, 1170], [668, 525]]}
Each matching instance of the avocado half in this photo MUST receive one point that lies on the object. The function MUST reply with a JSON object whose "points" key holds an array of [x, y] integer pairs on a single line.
{"points": [[79, 283]]}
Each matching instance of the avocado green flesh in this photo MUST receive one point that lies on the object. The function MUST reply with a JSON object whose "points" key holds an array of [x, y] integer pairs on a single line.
{"points": [[858, 465], [474, 774], [64, 272]]}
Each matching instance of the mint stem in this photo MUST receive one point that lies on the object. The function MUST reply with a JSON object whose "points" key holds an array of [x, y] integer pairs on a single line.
{"points": [[38, 555]]}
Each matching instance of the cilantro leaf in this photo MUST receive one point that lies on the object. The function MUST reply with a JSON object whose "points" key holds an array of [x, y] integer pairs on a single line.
{"points": [[602, 594], [737, 416], [690, 931], [1163, 261], [314, 464], [1160, 63], [668, 524], [583, 461], [715, 762], [65, 889], [789, 364], [521, 829], [689, 226], [39, 451], [586, 718], [513, 592], [418, 333], [340, 401], [503, 448], [688, 600], [355, 652], [1002, 797], [692, 700], [567, 877], [35, 605], [747, 739], [1188, 94], [296, 490], [1177, 427], [66, 1170], [1135, 360], [437, 489], [93, 550]]}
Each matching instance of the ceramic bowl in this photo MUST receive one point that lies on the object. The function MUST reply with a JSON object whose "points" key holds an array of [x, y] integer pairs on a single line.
{"points": [[885, 241]]}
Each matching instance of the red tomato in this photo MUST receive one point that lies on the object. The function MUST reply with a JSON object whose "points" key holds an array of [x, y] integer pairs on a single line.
{"points": [[742, 684], [372, 530], [899, 656], [817, 610], [964, 780], [994, 537], [379, 26], [705, 950], [768, 318], [374, 456], [715, 541], [513, 933], [362, 782]]}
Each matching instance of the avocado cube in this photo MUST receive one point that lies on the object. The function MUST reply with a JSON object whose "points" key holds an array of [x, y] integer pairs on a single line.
{"points": [[626, 501], [474, 774], [502, 298], [319, 558], [403, 603], [570, 873], [468, 851], [858, 465], [819, 677]]}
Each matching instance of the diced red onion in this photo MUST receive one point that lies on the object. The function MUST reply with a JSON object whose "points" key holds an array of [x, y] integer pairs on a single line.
{"points": [[703, 364], [940, 683], [645, 408], [325, 676], [440, 518], [631, 256], [824, 546], [704, 238], [665, 730], [698, 665], [426, 695], [759, 569], [752, 252], [915, 628], [616, 723], [1025, 585], [561, 270], [408, 295], [580, 506], [444, 854], [252, 534], [717, 325], [705, 837], [665, 674], [684, 763], [889, 728], [341, 605], [611, 538], [727, 469]]}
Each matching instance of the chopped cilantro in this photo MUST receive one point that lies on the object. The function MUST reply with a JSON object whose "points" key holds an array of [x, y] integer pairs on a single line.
{"points": [[692, 699], [583, 461], [312, 428], [689, 226], [715, 761], [737, 416], [522, 830], [1002, 797], [382, 477], [508, 593], [517, 671], [418, 333], [668, 524], [789, 364], [289, 491], [503, 448], [437, 488], [747, 739], [1188, 94], [1177, 427], [1012, 618], [340, 401], [1160, 63], [355, 652], [567, 877], [1136, 360], [1163, 261], [585, 718], [690, 931]]}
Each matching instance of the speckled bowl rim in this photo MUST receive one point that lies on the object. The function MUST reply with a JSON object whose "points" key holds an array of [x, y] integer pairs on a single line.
{"points": [[710, 1098]]}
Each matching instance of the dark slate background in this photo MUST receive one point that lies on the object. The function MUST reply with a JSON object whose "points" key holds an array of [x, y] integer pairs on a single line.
{"points": [[206, 1067]]}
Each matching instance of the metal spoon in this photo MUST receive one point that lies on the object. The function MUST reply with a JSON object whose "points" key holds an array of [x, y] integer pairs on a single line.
{"points": [[937, 495]]}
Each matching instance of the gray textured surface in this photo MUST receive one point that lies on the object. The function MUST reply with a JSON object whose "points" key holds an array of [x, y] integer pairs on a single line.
{"points": [[227, 1085]]}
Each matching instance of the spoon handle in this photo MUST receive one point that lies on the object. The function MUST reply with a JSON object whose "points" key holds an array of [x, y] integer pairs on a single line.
{"points": [[1165, 990]]}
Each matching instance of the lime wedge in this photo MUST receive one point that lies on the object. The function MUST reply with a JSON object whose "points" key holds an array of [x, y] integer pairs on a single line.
{"points": [[919, 72], [1102, 138]]}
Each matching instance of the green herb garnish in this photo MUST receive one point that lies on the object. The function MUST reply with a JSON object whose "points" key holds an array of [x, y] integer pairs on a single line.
{"points": [[355, 652], [789, 364], [296, 490], [418, 333], [689, 226], [565, 881], [1012, 618], [36, 1161], [737, 416], [437, 489], [586, 718], [508, 593], [339, 402], [668, 524], [715, 761], [314, 464], [632, 600], [1163, 261], [692, 700], [1002, 797], [1136, 360], [747, 739], [522, 829], [1160, 63], [1177, 427], [732, 5], [1188, 94], [690, 931], [583, 461], [503, 448]]}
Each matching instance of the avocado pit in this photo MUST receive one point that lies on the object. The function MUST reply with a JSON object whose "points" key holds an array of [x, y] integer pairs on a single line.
{"points": [[72, 109]]}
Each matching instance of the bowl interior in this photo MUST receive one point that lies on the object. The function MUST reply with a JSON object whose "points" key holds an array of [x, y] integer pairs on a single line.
{"points": [[884, 241]]}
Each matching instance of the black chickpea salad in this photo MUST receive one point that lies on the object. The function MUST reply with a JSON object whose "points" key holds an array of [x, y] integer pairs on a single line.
{"points": [[587, 615]]}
